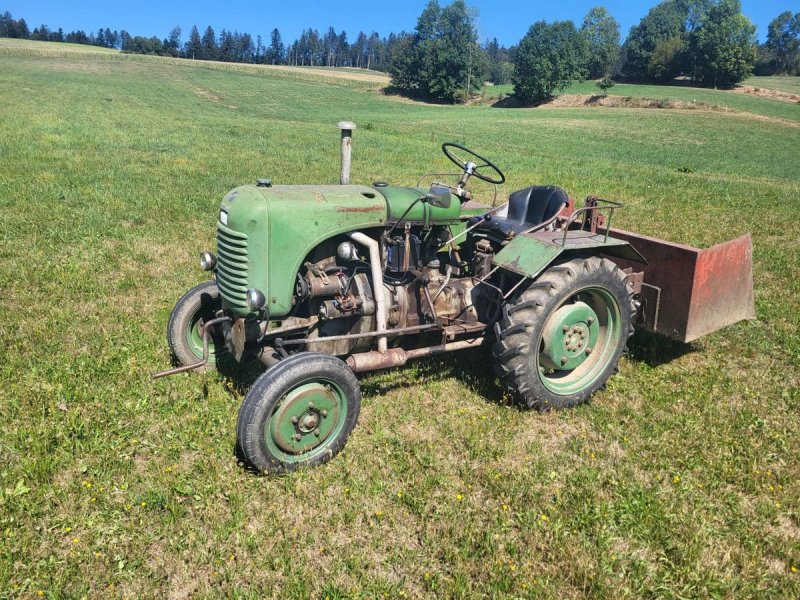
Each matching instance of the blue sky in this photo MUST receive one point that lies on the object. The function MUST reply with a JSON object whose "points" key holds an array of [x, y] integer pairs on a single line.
{"points": [[507, 20]]}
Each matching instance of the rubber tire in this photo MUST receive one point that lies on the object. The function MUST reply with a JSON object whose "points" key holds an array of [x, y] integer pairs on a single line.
{"points": [[265, 395], [203, 300], [518, 332]]}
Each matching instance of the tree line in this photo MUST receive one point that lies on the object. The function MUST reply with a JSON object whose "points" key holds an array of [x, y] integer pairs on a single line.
{"points": [[311, 48], [709, 42]]}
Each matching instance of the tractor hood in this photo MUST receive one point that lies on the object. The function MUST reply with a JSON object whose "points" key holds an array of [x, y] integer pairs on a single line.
{"points": [[265, 233]]}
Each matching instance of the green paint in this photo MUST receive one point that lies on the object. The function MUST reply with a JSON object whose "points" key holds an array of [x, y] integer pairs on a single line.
{"points": [[580, 370], [568, 334], [270, 231], [400, 198], [530, 254], [308, 418], [526, 256]]}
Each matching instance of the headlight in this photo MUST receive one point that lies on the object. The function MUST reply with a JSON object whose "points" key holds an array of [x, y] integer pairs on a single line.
{"points": [[208, 261], [256, 300]]}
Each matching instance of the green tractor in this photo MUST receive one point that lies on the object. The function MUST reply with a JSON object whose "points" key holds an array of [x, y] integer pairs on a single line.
{"points": [[319, 282]]}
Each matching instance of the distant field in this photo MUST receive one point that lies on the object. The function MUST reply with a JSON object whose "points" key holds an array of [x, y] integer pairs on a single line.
{"points": [[722, 98], [22, 46], [680, 480], [344, 76], [784, 83]]}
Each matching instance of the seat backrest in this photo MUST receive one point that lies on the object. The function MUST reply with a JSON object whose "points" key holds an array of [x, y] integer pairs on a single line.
{"points": [[536, 204]]}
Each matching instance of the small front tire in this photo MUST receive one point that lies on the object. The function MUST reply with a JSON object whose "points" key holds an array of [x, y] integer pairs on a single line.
{"points": [[200, 304], [299, 413]]}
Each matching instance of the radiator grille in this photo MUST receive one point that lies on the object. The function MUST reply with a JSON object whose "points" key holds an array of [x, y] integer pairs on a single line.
{"points": [[232, 265]]}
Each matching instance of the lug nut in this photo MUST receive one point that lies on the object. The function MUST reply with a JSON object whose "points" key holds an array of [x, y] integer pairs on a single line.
{"points": [[563, 360], [316, 432], [297, 437], [590, 320], [566, 328], [588, 351], [310, 406], [295, 420], [324, 413]]}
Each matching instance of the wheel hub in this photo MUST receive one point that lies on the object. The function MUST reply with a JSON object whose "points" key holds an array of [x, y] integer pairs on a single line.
{"points": [[569, 336], [305, 417]]}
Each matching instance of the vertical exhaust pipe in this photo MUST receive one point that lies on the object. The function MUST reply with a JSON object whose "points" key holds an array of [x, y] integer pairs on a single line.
{"points": [[347, 128], [378, 291]]}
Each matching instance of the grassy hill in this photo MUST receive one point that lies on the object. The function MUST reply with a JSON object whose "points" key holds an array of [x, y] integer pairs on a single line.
{"points": [[704, 98], [679, 480]]}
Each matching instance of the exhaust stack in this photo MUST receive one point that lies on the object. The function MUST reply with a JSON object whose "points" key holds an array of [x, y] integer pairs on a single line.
{"points": [[347, 128]]}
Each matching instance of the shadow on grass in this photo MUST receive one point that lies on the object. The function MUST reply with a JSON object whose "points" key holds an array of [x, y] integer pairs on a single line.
{"points": [[655, 350], [473, 368]]}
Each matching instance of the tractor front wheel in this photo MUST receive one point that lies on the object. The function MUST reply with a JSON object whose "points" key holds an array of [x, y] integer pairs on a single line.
{"points": [[562, 339], [200, 304], [298, 413]]}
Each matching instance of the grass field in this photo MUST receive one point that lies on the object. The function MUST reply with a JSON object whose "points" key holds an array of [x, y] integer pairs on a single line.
{"points": [[783, 83], [715, 98], [680, 480]]}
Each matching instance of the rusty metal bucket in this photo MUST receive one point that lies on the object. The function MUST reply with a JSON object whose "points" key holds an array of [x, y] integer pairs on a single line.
{"points": [[688, 292]]}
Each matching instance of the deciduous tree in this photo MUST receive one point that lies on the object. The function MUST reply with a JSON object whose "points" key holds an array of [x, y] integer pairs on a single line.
{"points": [[601, 31], [549, 57]]}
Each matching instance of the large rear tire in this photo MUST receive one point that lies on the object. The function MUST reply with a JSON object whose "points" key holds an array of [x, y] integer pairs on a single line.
{"points": [[200, 304], [561, 339], [299, 413]]}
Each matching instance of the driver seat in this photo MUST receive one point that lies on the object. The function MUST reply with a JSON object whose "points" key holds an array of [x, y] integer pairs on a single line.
{"points": [[527, 208]]}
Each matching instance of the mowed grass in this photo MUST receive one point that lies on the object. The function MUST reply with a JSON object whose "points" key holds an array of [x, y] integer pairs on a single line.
{"points": [[784, 83], [681, 479]]}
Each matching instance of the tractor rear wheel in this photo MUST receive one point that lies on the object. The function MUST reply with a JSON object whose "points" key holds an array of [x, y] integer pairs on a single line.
{"points": [[298, 413], [561, 339], [184, 334]]}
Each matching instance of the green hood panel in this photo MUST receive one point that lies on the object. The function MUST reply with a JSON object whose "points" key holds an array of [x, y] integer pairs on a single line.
{"points": [[400, 198], [270, 231]]}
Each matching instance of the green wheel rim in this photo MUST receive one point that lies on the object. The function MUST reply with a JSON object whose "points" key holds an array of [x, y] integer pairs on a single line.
{"points": [[579, 341], [306, 420], [194, 339]]}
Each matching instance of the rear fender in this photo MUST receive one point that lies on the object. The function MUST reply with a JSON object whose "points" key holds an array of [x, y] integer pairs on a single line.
{"points": [[530, 254]]}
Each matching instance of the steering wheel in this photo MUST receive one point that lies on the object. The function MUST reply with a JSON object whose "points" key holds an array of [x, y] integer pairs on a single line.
{"points": [[474, 169]]}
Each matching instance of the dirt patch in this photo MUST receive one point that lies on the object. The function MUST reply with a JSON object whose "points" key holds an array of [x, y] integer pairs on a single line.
{"points": [[765, 93], [578, 100], [206, 95]]}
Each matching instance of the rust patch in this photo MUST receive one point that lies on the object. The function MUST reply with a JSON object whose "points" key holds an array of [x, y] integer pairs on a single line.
{"points": [[357, 209]]}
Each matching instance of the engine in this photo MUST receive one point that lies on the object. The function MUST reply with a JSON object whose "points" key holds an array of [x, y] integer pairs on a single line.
{"points": [[422, 285]]}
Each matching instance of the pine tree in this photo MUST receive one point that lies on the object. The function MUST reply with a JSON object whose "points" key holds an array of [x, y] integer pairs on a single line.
{"points": [[209, 42], [194, 45], [277, 51]]}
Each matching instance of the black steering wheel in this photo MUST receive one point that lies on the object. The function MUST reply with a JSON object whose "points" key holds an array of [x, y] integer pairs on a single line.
{"points": [[482, 163]]}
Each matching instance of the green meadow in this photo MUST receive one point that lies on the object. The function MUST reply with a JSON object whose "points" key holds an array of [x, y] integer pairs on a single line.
{"points": [[680, 480]]}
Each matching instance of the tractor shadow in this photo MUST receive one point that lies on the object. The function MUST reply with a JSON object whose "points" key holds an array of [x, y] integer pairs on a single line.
{"points": [[473, 368], [655, 350]]}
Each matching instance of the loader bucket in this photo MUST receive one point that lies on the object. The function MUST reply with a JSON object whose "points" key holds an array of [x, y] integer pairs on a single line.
{"points": [[688, 292]]}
